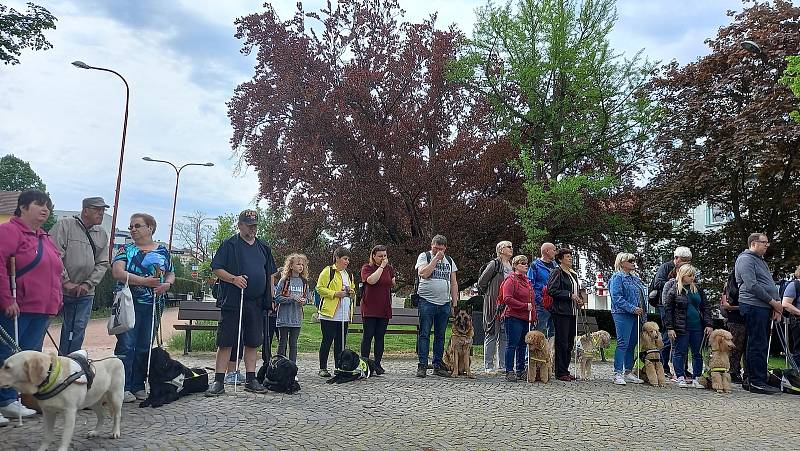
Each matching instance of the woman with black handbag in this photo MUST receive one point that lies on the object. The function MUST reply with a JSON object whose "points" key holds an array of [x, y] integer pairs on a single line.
{"points": [[564, 288]]}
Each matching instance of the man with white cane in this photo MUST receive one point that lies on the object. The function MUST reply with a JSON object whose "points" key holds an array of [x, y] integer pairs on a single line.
{"points": [[245, 266]]}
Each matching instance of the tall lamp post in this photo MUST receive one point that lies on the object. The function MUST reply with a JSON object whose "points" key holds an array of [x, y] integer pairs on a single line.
{"points": [[175, 197], [82, 65]]}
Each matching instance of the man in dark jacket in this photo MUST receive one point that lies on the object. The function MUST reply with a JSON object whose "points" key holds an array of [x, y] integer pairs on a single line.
{"points": [[681, 255], [759, 304]]}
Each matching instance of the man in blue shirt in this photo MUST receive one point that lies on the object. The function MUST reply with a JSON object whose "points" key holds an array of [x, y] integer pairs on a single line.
{"points": [[243, 262], [538, 273]]}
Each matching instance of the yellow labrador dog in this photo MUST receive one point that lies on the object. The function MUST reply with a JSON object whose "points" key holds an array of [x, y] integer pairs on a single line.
{"points": [[33, 372]]}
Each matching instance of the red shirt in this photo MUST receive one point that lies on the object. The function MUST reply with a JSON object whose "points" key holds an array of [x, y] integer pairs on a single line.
{"points": [[39, 290], [517, 294], [377, 300]]}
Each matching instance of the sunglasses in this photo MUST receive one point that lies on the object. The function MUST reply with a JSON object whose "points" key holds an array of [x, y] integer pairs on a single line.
{"points": [[523, 264], [136, 226]]}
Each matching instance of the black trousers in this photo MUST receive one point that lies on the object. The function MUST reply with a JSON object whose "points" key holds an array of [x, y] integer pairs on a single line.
{"points": [[331, 333], [564, 342], [373, 328], [793, 340]]}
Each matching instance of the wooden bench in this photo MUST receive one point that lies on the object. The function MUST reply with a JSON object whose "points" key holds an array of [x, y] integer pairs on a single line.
{"points": [[400, 317], [196, 311]]}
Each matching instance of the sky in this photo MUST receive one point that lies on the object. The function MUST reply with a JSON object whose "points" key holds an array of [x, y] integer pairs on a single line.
{"points": [[182, 62]]}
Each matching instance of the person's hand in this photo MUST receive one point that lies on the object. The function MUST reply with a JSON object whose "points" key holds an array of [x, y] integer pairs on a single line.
{"points": [[575, 297], [708, 330], [162, 288], [530, 306], [340, 294], [151, 282], [69, 287], [82, 290], [776, 315], [777, 306], [240, 282], [384, 263], [638, 311], [12, 311], [439, 256], [453, 309], [671, 335], [301, 301]]}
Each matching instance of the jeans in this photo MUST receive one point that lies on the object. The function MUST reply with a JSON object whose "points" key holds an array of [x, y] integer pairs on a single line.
{"points": [[665, 351], [32, 327], [627, 328], [544, 322], [133, 346], [516, 330], [436, 316], [693, 338], [495, 345], [757, 321], [288, 336], [373, 328], [76, 312]]}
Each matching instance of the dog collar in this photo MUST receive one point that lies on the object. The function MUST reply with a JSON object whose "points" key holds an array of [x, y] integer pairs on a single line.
{"points": [[52, 376], [719, 370], [538, 360]]}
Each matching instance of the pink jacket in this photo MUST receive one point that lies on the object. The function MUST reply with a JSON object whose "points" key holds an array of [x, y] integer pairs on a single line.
{"points": [[39, 290]]}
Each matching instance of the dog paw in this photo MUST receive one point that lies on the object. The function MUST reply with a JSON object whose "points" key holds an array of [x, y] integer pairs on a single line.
{"points": [[115, 435]]}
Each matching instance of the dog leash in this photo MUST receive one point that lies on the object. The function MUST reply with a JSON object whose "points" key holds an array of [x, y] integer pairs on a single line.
{"points": [[6, 339]]}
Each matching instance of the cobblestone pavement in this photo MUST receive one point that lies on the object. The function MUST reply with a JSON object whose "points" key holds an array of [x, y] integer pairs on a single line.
{"points": [[400, 411]]}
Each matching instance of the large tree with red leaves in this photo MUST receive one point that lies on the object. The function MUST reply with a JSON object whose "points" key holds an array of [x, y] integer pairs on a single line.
{"points": [[726, 138], [350, 122]]}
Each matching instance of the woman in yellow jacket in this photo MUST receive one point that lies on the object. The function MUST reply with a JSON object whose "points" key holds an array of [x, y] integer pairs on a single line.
{"points": [[337, 290]]}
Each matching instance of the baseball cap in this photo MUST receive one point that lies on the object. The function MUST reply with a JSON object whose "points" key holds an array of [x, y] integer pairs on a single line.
{"points": [[96, 202], [248, 217]]}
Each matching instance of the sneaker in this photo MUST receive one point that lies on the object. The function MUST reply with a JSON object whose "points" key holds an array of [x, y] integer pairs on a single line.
{"points": [[422, 370], [254, 387], [216, 389], [441, 372], [523, 376], [128, 397], [511, 377], [141, 395], [379, 369], [696, 384], [672, 379], [15, 409], [567, 378], [490, 372], [3, 420], [682, 382], [765, 390], [629, 377], [619, 379], [736, 379], [323, 372], [231, 378]]}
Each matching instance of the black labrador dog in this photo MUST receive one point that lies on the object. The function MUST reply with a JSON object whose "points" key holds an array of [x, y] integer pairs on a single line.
{"points": [[279, 375], [352, 368], [170, 379]]}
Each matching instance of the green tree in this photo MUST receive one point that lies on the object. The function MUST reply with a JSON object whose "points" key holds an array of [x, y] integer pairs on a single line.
{"points": [[574, 109], [791, 78], [17, 175], [19, 31], [180, 269]]}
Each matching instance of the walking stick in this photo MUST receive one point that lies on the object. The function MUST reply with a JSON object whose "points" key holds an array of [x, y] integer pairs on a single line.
{"points": [[769, 342], [12, 266], [786, 336], [527, 372], [238, 343]]}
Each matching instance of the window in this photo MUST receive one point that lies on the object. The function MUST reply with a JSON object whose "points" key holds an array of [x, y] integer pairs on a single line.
{"points": [[715, 215]]}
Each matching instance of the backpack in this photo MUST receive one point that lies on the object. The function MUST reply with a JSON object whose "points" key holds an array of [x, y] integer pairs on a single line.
{"points": [[415, 297], [732, 288], [500, 307], [547, 299], [498, 269]]}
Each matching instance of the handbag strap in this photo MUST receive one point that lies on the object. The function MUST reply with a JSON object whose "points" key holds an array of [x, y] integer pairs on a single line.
{"points": [[35, 261], [89, 237]]}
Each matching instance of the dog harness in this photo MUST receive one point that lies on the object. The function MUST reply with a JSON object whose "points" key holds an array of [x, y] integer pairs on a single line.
{"points": [[362, 370], [48, 388], [653, 355]]}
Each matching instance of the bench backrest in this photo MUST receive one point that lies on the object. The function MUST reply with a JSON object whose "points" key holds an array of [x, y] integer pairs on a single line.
{"points": [[197, 310], [587, 324], [400, 317]]}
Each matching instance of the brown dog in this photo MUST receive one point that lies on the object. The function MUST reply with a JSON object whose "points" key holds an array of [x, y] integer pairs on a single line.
{"points": [[721, 342], [457, 357], [539, 362], [650, 344]]}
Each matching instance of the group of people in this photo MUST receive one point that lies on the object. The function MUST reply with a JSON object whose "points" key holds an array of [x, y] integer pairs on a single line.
{"points": [[43, 274]]}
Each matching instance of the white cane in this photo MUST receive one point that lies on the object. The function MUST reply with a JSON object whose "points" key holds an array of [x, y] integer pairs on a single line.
{"points": [[786, 340], [12, 266], [637, 351], [150, 343], [769, 342], [238, 342], [528, 371]]}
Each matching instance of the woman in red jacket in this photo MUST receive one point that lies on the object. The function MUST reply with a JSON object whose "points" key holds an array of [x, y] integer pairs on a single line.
{"points": [[37, 267], [519, 315]]}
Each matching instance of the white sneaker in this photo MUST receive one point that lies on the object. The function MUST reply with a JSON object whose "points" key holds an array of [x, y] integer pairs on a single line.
{"points": [[14, 410], [696, 384], [128, 397], [629, 377], [141, 395], [682, 383], [3, 420], [490, 372], [619, 380]]}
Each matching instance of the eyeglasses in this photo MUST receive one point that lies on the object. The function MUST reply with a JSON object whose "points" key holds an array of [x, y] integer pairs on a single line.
{"points": [[510, 247], [136, 226], [766, 243]]}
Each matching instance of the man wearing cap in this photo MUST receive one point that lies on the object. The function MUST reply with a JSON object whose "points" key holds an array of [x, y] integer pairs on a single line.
{"points": [[84, 251], [243, 262]]}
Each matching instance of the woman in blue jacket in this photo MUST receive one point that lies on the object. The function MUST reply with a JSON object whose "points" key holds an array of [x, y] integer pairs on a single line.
{"points": [[627, 297]]}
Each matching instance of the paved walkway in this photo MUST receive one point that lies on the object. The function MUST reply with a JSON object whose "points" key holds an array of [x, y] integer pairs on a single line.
{"points": [[400, 411]]}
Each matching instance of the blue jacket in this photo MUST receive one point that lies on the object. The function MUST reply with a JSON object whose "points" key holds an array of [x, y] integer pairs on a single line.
{"points": [[627, 292], [538, 273]]}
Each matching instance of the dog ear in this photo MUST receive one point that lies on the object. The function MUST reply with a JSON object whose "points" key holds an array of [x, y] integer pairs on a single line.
{"points": [[36, 367]]}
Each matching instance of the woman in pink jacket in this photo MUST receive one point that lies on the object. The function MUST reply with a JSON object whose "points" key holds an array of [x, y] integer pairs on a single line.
{"points": [[519, 315], [38, 267]]}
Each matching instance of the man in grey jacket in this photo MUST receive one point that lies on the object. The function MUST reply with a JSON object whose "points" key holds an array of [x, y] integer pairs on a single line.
{"points": [[84, 251], [760, 305]]}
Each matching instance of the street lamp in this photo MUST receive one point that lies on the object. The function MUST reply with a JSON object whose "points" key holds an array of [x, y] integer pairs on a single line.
{"points": [[751, 47], [82, 65], [175, 197]]}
